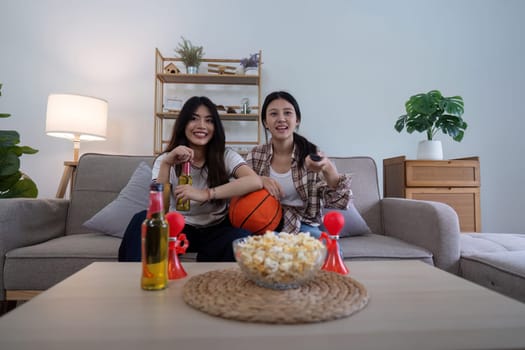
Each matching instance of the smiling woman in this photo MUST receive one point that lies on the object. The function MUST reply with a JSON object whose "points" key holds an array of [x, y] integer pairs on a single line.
{"points": [[294, 170], [198, 139]]}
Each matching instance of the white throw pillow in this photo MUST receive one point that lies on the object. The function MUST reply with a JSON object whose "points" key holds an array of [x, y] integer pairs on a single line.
{"points": [[114, 218]]}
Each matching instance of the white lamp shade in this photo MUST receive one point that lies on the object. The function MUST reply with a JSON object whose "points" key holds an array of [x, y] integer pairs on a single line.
{"points": [[76, 117]]}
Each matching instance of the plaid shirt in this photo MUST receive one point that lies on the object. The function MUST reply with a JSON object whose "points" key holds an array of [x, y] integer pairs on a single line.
{"points": [[311, 186]]}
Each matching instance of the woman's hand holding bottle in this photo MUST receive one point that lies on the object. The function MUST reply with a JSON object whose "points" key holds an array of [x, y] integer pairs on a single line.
{"points": [[178, 155]]}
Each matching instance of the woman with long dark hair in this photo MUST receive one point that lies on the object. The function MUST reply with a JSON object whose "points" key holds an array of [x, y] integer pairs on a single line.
{"points": [[218, 173], [294, 170]]}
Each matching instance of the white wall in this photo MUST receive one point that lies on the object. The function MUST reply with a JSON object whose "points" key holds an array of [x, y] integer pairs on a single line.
{"points": [[351, 64]]}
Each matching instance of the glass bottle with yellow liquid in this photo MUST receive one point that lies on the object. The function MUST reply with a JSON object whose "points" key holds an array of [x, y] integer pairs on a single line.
{"points": [[155, 242], [184, 179]]}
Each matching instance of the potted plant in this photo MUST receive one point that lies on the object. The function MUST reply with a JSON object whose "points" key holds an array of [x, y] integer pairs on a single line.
{"points": [[14, 183], [250, 64], [190, 55], [430, 113]]}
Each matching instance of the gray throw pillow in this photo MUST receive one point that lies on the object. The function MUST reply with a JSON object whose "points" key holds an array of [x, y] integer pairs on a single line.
{"points": [[114, 218], [355, 225]]}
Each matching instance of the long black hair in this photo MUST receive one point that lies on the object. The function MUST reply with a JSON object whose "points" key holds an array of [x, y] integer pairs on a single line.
{"points": [[214, 159], [302, 145]]}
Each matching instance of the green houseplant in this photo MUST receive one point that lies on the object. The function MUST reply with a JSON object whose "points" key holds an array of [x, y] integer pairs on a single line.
{"points": [[190, 55], [432, 112], [14, 183]]}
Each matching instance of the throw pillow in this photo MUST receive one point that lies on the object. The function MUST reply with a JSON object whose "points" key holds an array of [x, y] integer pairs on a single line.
{"points": [[134, 197], [355, 225]]}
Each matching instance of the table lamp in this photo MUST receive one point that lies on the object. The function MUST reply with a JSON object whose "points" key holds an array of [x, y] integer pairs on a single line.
{"points": [[77, 118]]}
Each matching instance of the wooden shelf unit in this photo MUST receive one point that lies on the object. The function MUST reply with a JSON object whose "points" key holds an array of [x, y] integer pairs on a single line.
{"points": [[455, 182], [217, 79], [224, 116], [162, 78]]}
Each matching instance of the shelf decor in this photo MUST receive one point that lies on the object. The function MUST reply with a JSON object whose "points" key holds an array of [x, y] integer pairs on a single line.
{"points": [[171, 69], [251, 64], [220, 69], [190, 55]]}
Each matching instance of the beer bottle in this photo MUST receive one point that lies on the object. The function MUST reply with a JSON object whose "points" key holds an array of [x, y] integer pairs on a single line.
{"points": [[184, 179], [155, 242]]}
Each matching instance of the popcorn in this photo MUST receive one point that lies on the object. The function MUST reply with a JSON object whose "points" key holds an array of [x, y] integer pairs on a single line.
{"points": [[280, 257]]}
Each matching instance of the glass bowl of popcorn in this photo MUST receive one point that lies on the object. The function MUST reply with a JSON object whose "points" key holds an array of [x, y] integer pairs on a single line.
{"points": [[279, 260]]}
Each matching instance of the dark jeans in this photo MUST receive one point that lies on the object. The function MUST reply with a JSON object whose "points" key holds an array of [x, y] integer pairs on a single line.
{"points": [[213, 243]]}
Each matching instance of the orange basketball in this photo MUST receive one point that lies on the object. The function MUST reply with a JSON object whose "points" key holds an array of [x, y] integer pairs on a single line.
{"points": [[256, 212]]}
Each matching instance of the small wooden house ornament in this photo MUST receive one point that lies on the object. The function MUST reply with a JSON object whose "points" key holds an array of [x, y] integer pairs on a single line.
{"points": [[171, 69]]}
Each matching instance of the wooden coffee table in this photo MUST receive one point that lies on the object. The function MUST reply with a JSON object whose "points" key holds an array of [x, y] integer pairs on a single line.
{"points": [[412, 306]]}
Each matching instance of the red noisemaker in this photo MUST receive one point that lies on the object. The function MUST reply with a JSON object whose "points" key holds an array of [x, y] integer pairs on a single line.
{"points": [[178, 243], [334, 222]]}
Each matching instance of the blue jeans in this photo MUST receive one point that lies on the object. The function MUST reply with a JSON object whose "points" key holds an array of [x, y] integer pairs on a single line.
{"points": [[316, 233], [313, 230], [213, 243]]}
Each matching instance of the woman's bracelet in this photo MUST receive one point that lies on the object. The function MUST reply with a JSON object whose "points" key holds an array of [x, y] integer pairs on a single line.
{"points": [[212, 195]]}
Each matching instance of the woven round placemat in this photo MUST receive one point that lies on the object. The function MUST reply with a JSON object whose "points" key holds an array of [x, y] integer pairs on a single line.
{"points": [[228, 294]]}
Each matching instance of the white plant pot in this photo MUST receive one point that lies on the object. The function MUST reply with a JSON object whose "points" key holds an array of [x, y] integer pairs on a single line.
{"points": [[251, 70], [192, 70], [430, 150]]}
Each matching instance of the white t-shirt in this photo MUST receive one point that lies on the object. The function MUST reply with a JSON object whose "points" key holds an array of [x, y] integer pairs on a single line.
{"points": [[202, 214], [291, 196]]}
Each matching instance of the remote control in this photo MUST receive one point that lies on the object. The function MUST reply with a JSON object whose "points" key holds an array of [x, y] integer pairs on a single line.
{"points": [[315, 157]]}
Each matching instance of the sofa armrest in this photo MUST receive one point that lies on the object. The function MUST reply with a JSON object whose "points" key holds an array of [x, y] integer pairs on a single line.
{"points": [[430, 225], [27, 221]]}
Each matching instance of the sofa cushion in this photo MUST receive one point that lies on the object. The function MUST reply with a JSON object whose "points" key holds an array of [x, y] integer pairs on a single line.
{"points": [[373, 247], [475, 243], [115, 217], [40, 266], [98, 181], [503, 272], [495, 261], [355, 225], [365, 188]]}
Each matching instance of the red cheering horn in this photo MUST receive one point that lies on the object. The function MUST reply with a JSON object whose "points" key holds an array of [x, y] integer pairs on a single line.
{"points": [[178, 243], [334, 222]]}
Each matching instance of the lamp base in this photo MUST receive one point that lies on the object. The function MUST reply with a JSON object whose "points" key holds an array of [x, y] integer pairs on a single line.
{"points": [[76, 148], [68, 176]]}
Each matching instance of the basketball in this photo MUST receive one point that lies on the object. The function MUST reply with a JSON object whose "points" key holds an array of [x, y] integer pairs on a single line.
{"points": [[256, 212]]}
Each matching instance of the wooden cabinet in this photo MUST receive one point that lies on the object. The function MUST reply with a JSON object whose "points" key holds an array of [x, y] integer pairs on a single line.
{"points": [[455, 182], [227, 90]]}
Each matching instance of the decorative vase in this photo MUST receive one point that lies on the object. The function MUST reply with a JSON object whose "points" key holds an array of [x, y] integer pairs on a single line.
{"points": [[192, 70], [430, 150]]}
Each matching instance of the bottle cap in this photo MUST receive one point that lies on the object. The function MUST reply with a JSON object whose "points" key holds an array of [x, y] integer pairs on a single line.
{"points": [[155, 186]]}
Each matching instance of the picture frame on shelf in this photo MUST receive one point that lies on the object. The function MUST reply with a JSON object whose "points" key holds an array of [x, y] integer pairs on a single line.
{"points": [[172, 104]]}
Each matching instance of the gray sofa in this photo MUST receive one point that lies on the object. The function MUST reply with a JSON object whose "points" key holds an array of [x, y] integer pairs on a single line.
{"points": [[495, 261], [43, 241]]}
